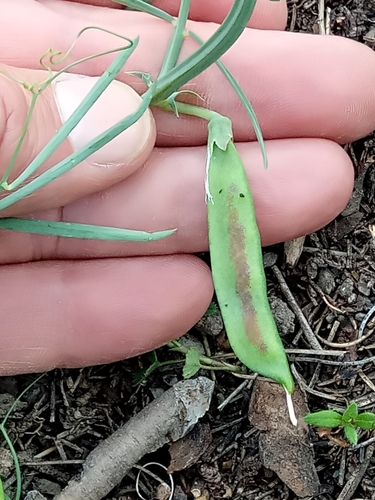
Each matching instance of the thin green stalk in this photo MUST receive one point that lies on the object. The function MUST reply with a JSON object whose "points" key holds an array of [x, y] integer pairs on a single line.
{"points": [[208, 362], [108, 76], [15, 461], [189, 109], [159, 13], [175, 44], [13, 159]]}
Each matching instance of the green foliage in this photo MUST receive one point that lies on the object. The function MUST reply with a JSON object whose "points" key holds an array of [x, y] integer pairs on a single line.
{"points": [[366, 421], [324, 418], [172, 76], [192, 363], [350, 420], [212, 309], [351, 433], [350, 413]]}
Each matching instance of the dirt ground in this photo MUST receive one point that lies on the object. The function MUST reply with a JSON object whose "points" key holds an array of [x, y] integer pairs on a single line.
{"points": [[65, 415]]}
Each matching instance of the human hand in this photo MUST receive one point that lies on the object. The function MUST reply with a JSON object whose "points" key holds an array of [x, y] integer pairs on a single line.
{"points": [[76, 303]]}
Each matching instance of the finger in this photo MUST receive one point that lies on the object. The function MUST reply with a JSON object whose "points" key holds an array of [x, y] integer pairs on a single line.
{"points": [[267, 14], [118, 159], [308, 182], [97, 312], [299, 84]]}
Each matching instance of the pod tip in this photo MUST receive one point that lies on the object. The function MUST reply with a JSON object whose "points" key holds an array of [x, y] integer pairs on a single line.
{"points": [[289, 402]]}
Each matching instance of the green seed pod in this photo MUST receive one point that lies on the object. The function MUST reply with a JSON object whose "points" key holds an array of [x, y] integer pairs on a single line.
{"points": [[237, 268]]}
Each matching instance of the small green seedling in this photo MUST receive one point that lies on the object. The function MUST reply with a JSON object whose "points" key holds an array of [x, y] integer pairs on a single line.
{"points": [[350, 421], [212, 309]]}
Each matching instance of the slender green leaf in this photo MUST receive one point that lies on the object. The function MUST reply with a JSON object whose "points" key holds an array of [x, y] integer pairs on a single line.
{"points": [[324, 418], [350, 413], [365, 421], [76, 230], [192, 363], [175, 43], [351, 433]]}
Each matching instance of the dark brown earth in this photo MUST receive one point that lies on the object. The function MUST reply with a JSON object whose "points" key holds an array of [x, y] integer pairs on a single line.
{"points": [[65, 415]]}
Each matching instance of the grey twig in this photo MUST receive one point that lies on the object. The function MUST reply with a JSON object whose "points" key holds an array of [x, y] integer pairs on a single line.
{"points": [[355, 478], [309, 334], [166, 419], [365, 321]]}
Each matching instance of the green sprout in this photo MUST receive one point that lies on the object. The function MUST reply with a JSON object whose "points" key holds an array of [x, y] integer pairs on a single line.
{"points": [[350, 421]]}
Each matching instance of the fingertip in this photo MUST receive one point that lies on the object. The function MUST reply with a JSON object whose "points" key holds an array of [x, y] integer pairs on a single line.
{"points": [[269, 15], [161, 299], [308, 183], [97, 311]]}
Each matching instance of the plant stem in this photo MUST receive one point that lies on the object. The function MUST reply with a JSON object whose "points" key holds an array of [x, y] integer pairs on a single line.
{"points": [[190, 109], [207, 363], [175, 44], [15, 461], [5, 177]]}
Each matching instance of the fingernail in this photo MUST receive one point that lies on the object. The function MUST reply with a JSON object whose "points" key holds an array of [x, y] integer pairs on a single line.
{"points": [[117, 101]]}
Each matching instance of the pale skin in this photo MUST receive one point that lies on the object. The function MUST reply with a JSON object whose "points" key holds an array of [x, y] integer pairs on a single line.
{"points": [[78, 303]]}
